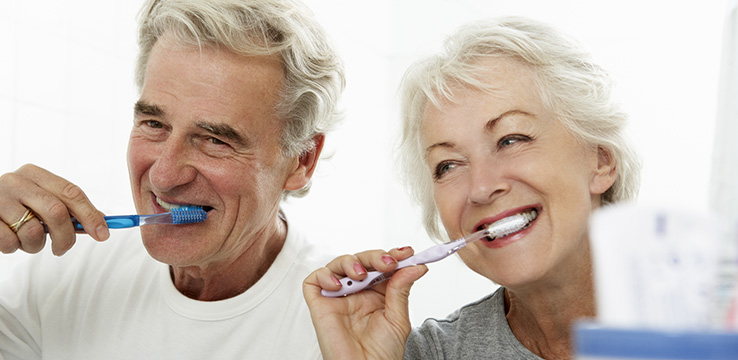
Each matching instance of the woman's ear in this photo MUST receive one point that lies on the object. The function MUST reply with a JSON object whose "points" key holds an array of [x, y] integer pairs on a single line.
{"points": [[306, 164], [606, 172]]}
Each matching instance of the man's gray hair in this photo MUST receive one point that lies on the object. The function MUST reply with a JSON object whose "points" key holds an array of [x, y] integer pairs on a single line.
{"points": [[314, 74]]}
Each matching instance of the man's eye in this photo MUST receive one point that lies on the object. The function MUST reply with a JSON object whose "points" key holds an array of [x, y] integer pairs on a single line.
{"points": [[153, 124], [216, 141]]}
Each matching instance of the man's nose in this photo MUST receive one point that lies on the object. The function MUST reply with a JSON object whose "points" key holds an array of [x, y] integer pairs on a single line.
{"points": [[173, 166]]}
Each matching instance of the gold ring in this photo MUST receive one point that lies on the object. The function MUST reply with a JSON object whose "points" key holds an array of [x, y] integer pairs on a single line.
{"points": [[28, 215]]}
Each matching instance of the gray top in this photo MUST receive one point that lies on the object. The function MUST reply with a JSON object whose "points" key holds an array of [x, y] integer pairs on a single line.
{"points": [[475, 331]]}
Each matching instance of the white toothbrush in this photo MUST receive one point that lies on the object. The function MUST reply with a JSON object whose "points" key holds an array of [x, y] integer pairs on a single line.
{"points": [[498, 229]]}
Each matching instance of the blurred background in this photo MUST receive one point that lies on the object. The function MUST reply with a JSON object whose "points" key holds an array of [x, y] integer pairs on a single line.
{"points": [[66, 97]]}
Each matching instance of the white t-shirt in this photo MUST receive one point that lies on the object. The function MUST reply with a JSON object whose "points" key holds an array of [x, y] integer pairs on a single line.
{"points": [[111, 300]]}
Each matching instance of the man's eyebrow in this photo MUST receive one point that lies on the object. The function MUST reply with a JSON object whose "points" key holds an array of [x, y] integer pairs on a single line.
{"points": [[225, 131], [142, 108]]}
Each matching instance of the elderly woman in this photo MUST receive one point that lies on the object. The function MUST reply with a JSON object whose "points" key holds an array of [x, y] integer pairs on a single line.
{"points": [[512, 118]]}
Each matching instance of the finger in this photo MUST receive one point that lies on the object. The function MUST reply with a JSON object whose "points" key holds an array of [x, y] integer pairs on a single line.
{"points": [[8, 240], [349, 265], [318, 280], [31, 236], [325, 279], [311, 285], [342, 265], [28, 235], [402, 253], [55, 216], [72, 201], [379, 260]]}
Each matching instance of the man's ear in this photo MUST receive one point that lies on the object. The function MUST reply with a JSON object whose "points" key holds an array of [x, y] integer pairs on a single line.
{"points": [[306, 164], [606, 172]]}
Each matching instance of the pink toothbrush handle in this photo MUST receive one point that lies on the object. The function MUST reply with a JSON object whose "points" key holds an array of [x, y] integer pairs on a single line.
{"points": [[435, 253], [350, 286]]}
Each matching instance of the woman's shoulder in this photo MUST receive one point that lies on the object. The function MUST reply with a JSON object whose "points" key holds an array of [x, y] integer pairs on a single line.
{"points": [[476, 330], [487, 309]]}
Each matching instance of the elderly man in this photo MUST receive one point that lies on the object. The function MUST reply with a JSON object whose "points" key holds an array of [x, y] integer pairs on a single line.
{"points": [[235, 99]]}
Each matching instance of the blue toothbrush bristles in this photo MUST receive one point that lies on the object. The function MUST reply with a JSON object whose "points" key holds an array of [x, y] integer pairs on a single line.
{"points": [[188, 215]]}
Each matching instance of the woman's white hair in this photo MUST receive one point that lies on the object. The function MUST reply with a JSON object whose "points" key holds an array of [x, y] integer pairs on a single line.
{"points": [[575, 89], [314, 74]]}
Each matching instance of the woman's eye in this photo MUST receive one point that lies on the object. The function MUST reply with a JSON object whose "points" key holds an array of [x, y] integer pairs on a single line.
{"points": [[511, 139], [442, 168]]}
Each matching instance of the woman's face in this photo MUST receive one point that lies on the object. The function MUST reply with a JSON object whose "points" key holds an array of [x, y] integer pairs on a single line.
{"points": [[499, 153]]}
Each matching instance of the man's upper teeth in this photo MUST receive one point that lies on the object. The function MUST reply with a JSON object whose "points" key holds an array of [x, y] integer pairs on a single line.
{"points": [[167, 206]]}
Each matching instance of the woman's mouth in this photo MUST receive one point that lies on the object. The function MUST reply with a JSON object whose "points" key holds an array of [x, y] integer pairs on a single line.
{"points": [[509, 225]]}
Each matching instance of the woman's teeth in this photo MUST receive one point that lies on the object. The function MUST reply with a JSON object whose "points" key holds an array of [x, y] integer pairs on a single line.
{"points": [[511, 224]]}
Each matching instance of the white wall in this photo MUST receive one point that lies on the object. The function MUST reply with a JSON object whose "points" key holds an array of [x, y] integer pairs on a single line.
{"points": [[66, 94]]}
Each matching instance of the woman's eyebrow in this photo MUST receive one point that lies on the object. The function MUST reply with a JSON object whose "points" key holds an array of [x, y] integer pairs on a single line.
{"points": [[492, 122], [444, 144], [488, 126]]}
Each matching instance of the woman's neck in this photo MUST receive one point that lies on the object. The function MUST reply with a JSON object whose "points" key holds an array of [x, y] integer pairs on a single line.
{"points": [[542, 317]]}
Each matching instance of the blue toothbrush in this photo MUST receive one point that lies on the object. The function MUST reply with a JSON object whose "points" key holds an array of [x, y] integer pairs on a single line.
{"points": [[183, 215]]}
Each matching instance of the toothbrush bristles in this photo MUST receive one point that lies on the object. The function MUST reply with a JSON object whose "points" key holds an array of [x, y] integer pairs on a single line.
{"points": [[507, 226], [188, 215]]}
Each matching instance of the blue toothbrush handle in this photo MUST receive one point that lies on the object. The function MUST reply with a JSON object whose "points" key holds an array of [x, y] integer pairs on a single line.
{"points": [[114, 222]]}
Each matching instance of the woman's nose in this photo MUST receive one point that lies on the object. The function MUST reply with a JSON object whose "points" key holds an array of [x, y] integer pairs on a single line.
{"points": [[486, 183], [173, 167]]}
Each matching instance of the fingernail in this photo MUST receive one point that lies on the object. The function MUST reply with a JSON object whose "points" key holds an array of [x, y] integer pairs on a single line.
{"points": [[102, 232], [335, 280], [359, 269], [403, 248], [388, 259]]}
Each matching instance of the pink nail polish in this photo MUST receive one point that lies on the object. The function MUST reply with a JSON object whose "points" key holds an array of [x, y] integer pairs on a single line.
{"points": [[388, 259], [359, 269], [335, 280]]}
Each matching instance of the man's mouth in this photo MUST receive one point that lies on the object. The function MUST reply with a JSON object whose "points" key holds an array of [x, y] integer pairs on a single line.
{"points": [[169, 206], [509, 225]]}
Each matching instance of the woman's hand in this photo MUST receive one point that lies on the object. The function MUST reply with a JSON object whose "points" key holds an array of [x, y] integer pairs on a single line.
{"points": [[51, 199], [370, 324]]}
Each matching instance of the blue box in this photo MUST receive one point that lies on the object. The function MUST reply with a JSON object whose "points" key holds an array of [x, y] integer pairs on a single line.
{"points": [[596, 342]]}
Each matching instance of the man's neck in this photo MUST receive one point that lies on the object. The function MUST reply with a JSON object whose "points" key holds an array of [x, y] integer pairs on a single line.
{"points": [[225, 280]]}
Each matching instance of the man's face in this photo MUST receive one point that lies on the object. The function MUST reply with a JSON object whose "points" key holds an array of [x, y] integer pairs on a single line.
{"points": [[205, 133]]}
